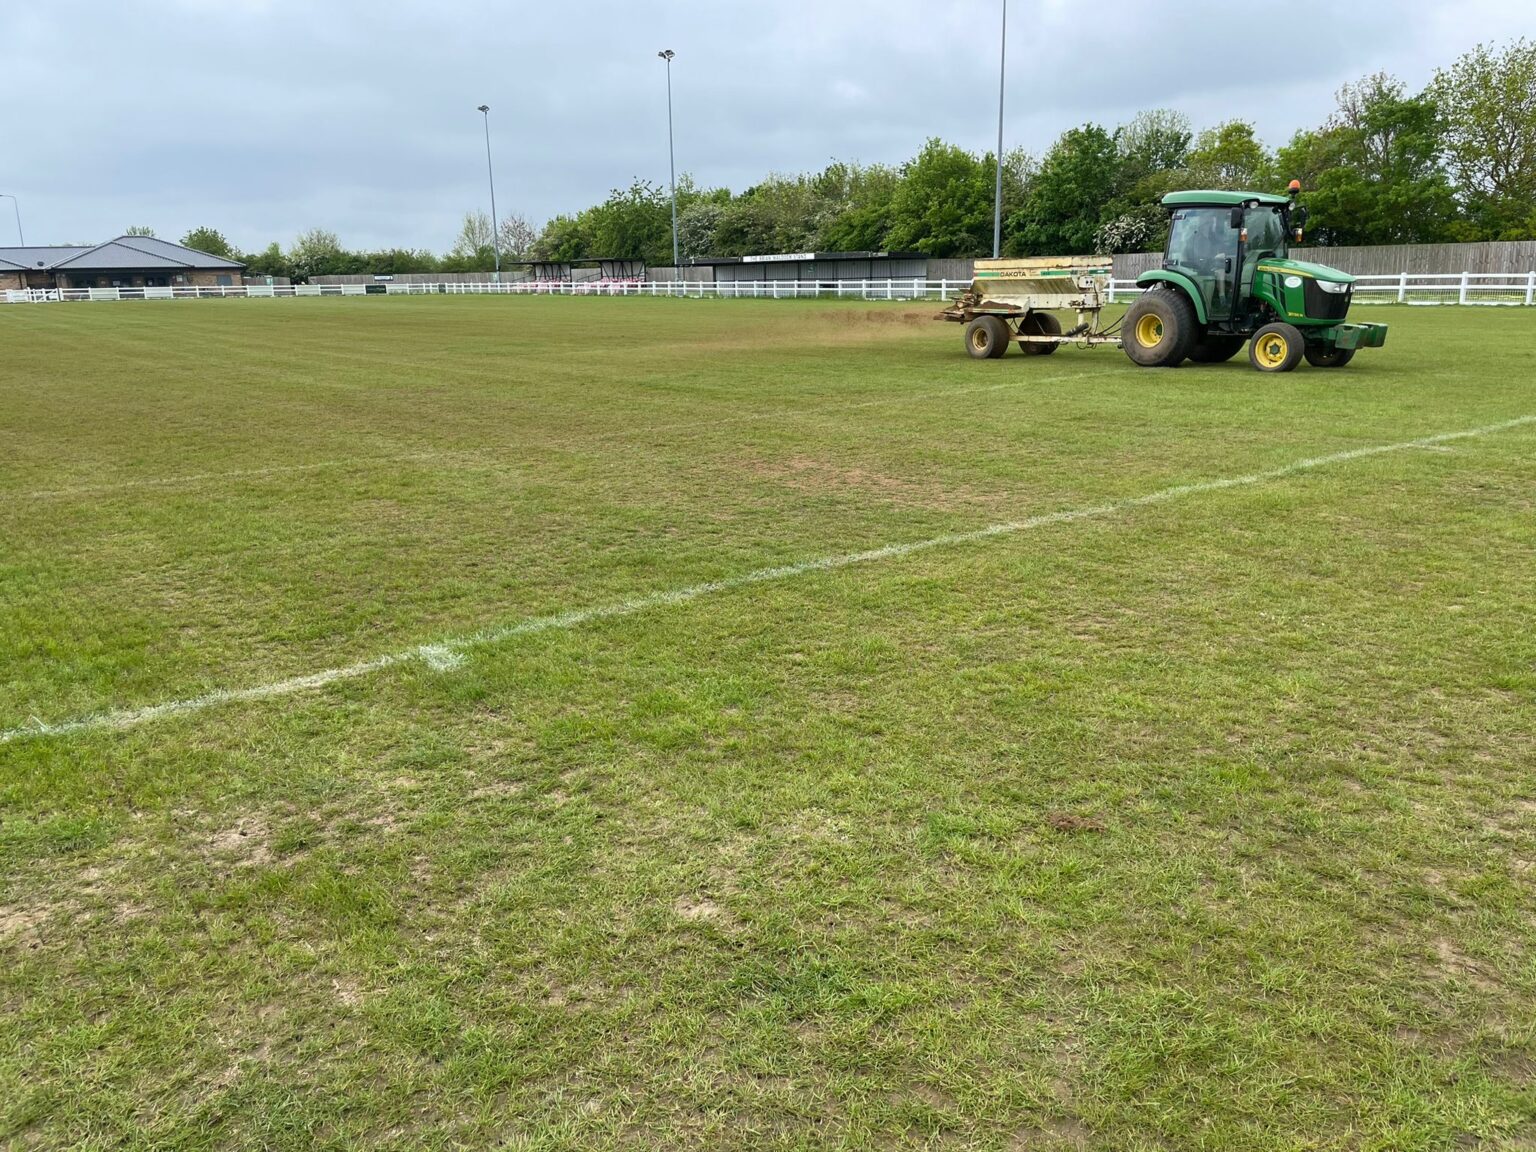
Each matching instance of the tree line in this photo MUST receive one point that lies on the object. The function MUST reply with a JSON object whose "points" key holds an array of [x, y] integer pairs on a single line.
{"points": [[1453, 162]]}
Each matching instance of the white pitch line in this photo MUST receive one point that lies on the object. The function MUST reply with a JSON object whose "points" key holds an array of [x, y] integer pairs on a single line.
{"points": [[445, 654]]}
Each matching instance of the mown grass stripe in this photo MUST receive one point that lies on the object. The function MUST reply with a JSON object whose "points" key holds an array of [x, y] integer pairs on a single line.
{"points": [[344, 462], [445, 654]]}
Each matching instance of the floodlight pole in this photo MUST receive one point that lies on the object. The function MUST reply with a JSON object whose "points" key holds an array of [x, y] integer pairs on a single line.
{"points": [[667, 54], [485, 111], [16, 204], [997, 205]]}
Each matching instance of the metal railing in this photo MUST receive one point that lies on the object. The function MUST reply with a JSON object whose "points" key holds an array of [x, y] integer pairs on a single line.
{"points": [[1486, 288]]}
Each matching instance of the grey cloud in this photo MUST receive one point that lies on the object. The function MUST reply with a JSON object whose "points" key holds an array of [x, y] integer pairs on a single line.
{"points": [[264, 117]]}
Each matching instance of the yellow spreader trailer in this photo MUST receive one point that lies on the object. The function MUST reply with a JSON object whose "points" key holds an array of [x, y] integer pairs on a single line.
{"points": [[1014, 301]]}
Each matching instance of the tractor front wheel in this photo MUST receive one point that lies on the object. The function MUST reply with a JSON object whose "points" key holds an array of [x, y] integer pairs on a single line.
{"points": [[1039, 324], [1276, 348], [1159, 328], [986, 338], [1322, 356]]}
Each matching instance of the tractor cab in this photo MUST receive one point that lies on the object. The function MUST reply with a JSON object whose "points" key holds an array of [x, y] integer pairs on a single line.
{"points": [[1216, 239], [1227, 279]]}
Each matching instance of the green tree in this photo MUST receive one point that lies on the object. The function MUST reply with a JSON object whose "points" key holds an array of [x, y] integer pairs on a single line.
{"points": [[1153, 152], [317, 252], [1372, 173], [270, 261], [1067, 196], [1488, 101], [516, 235], [943, 205], [696, 228], [782, 214], [563, 238], [634, 223], [1229, 156], [472, 250], [138, 230], [1155, 143], [390, 261], [211, 241]]}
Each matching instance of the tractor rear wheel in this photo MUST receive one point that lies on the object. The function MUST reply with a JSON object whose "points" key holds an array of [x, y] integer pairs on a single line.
{"points": [[1217, 349], [1039, 324], [1276, 348], [1159, 328], [1322, 356], [986, 338]]}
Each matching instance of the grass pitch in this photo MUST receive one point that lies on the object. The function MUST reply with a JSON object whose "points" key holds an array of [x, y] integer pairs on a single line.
{"points": [[1207, 822]]}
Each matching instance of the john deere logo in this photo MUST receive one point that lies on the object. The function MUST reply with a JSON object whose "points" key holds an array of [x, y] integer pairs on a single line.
{"points": [[1293, 281]]}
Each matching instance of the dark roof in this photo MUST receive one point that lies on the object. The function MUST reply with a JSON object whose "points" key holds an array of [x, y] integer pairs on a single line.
{"points": [[805, 257], [40, 257], [125, 252]]}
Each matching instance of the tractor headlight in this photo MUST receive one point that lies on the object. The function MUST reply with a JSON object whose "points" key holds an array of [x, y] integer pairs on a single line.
{"points": [[1333, 286]]}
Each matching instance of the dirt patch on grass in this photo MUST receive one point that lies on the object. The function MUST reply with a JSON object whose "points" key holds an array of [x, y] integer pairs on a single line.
{"points": [[701, 909], [21, 925], [1455, 963], [246, 844], [878, 317], [243, 1063], [1056, 1133], [1071, 822], [348, 992], [935, 1098]]}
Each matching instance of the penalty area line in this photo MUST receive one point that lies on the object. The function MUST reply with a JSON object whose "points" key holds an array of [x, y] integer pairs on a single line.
{"points": [[446, 654]]}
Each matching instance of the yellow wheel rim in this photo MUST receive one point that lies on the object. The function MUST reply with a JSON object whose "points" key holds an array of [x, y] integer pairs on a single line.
{"points": [[1149, 331], [1271, 351]]}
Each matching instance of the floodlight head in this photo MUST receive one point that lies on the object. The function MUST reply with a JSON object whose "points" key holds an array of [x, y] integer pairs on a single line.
{"points": [[483, 108], [666, 54]]}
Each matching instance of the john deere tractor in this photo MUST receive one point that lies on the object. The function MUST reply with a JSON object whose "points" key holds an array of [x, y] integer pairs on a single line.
{"points": [[1227, 280]]}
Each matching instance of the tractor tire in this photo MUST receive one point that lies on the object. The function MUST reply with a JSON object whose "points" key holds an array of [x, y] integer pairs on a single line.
{"points": [[986, 338], [1321, 356], [1159, 328], [1276, 348], [1216, 349], [1039, 324]]}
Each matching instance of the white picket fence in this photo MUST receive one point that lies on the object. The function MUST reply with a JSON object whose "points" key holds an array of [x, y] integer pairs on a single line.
{"points": [[1496, 288]]}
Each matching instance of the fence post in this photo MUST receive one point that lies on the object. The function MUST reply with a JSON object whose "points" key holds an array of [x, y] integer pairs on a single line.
{"points": [[1530, 288], [1462, 299], [1402, 288], [1111, 289]]}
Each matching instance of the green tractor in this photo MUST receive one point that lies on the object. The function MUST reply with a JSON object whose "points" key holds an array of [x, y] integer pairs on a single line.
{"points": [[1227, 280]]}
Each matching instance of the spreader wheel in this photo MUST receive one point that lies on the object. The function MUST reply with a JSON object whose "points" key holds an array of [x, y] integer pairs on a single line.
{"points": [[986, 338], [1039, 324]]}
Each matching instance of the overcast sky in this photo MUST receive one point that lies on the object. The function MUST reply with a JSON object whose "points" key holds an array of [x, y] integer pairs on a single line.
{"points": [[266, 117]]}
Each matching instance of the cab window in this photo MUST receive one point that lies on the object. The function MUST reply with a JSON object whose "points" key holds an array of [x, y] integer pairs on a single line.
{"points": [[1201, 239], [1266, 231]]}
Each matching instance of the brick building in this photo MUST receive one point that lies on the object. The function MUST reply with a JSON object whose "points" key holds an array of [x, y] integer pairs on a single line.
{"points": [[127, 262]]}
